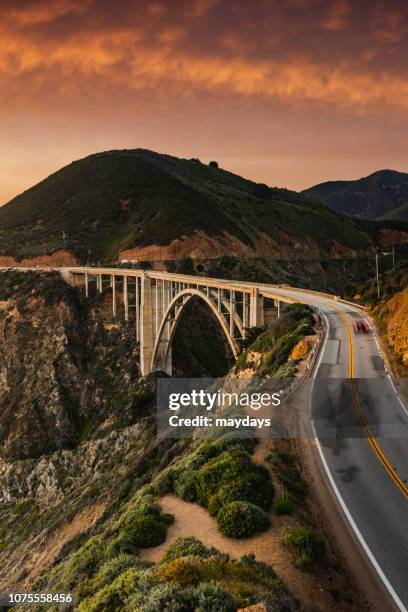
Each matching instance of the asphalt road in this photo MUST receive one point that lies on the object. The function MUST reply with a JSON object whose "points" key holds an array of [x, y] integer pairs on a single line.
{"points": [[362, 432]]}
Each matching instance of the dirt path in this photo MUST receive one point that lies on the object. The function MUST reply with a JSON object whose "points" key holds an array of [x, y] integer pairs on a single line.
{"points": [[192, 520]]}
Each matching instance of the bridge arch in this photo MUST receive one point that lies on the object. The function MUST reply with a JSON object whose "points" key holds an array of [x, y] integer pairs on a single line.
{"points": [[161, 357]]}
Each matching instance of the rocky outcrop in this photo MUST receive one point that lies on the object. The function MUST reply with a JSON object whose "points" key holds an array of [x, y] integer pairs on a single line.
{"points": [[61, 372], [396, 318]]}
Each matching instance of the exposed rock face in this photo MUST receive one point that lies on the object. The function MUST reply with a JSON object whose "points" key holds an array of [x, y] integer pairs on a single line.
{"points": [[61, 371], [397, 324]]}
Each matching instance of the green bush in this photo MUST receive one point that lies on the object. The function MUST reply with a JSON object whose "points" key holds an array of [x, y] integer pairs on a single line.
{"points": [[283, 505], [147, 530], [142, 526], [185, 486], [123, 543], [187, 547], [214, 504], [166, 598], [255, 487], [83, 563], [231, 466], [113, 595], [164, 483], [306, 547], [211, 597], [287, 471], [241, 519], [116, 566]]}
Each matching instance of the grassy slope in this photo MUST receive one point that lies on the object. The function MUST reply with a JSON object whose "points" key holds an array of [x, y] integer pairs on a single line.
{"points": [[398, 214], [114, 200]]}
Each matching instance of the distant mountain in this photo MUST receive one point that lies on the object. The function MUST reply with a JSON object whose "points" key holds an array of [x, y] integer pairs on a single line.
{"points": [[138, 204], [366, 198], [398, 214]]}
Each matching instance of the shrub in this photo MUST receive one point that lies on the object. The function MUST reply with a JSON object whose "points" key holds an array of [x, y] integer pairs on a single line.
{"points": [[214, 504], [307, 548], [288, 473], [183, 570], [213, 164], [113, 596], [143, 525], [230, 466], [241, 519], [185, 486], [122, 544], [256, 488], [164, 483], [116, 566], [259, 567], [283, 505], [211, 597], [83, 563], [146, 531], [166, 598], [187, 547]]}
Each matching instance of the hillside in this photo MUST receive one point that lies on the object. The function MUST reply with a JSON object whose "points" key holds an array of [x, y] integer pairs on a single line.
{"points": [[94, 503], [137, 204], [390, 311], [398, 214], [370, 197]]}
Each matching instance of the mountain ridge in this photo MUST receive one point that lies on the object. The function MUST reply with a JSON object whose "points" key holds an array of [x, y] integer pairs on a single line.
{"points": [[371, 197], [117, 204]]}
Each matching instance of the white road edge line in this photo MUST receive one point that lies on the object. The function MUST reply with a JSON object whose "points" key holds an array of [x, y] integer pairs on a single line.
{"points": [[404, 408], [342, 503]]}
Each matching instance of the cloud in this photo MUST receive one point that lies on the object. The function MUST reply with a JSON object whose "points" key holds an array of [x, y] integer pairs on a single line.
{"points": [[300, 51]]}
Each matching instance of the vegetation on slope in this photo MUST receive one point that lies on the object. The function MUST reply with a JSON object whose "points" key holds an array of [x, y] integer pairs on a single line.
{"points": [[397, 214], [107, 202], [276, 342], [391, 309]]}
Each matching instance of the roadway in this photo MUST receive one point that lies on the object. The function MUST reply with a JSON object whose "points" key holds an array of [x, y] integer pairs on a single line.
{"points": [[361, 427]]}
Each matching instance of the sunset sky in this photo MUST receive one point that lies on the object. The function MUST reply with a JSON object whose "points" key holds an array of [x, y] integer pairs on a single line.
{"points": [[287, 92]]}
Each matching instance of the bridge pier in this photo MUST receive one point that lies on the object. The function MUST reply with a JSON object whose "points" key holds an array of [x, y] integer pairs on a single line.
{"points": [[257, 318], [146, 326]]}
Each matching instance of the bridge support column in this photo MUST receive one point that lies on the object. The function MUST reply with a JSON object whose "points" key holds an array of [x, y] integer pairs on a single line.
{"points": [[86, 285], [245, 310], [257, 318], [99, 283], [232, 311], [126, 298], [113, 284], [146, 323], [137, 307]]}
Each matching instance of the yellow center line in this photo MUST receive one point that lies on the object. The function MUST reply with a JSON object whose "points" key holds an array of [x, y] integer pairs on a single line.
{"points": [[371, 439]]}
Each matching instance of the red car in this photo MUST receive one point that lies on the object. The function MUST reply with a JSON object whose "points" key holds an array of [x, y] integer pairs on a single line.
{"points": [[361, 326]]}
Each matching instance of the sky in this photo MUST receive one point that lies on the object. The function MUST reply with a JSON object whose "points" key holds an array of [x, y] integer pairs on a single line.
{"points": [[290, 93]]}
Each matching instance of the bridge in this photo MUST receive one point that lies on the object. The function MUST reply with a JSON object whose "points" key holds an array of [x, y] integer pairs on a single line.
{"points": [[156, 300], [364, 478], [376, 491]]}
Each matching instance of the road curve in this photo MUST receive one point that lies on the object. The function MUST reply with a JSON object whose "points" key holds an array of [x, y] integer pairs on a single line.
{"points": [[361, 426]]}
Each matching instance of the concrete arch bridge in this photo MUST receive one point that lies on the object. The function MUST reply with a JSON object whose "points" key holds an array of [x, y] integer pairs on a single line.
{"points": [[156, 300]]}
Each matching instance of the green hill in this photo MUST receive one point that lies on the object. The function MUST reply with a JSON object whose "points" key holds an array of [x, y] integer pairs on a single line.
{"points": [[370, 197], [108, 202], [398, 214]]}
